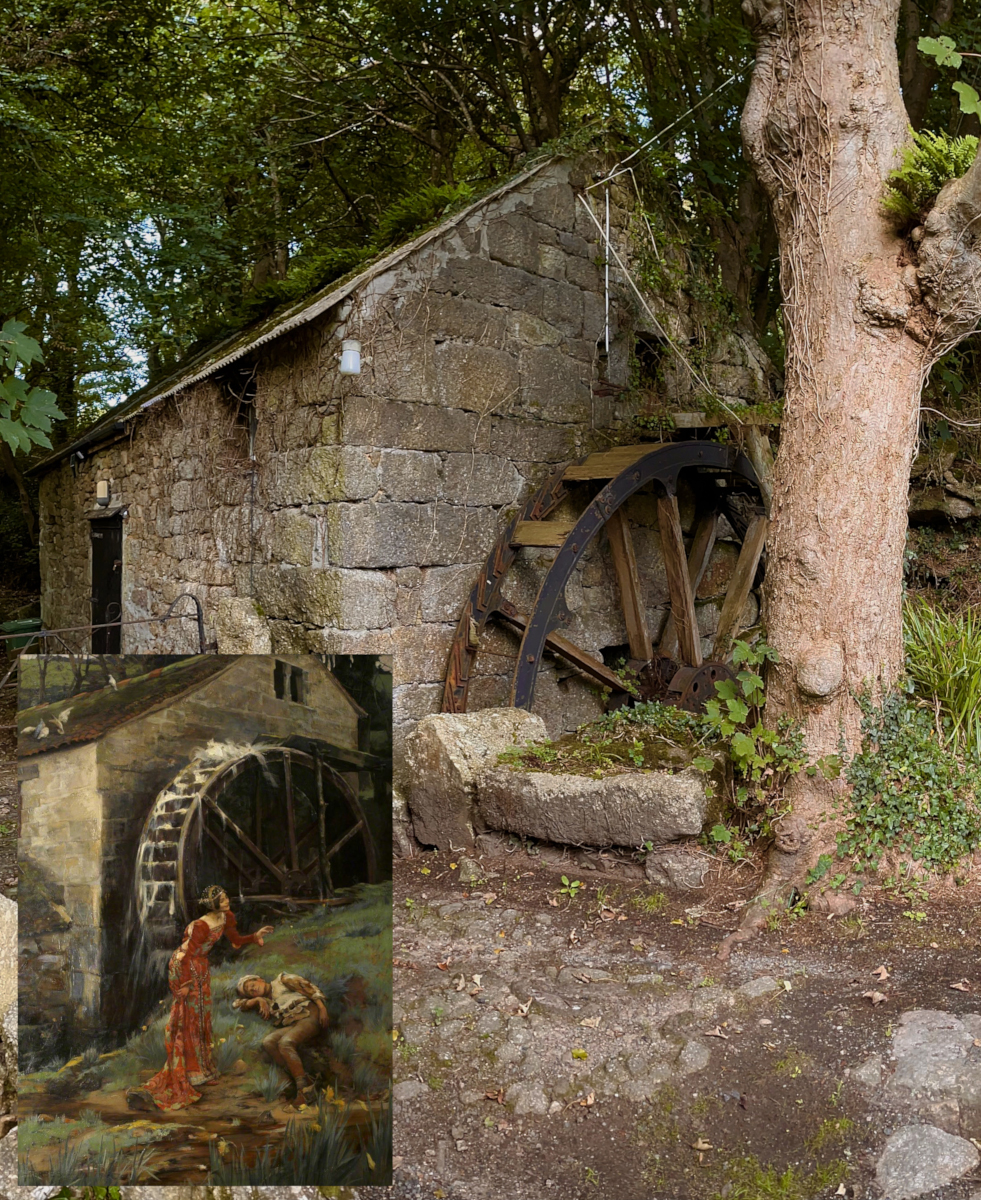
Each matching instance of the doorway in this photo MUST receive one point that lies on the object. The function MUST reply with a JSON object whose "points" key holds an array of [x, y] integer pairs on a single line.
{"points": [[107, 582]]}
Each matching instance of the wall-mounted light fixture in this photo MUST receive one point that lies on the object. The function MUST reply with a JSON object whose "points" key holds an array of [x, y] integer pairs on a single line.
{"points": [[350, 347], [103, 493], [350, 357]]}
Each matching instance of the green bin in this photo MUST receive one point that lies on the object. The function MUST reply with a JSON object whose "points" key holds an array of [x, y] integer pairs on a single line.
{"points": [[27, 626]]}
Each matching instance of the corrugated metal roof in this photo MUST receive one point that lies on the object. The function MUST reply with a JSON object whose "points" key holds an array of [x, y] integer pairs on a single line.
{"points": [[237, 345]]}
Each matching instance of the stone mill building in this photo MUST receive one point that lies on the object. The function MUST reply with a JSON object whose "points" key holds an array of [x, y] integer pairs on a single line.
{"points": [[309, 509]]}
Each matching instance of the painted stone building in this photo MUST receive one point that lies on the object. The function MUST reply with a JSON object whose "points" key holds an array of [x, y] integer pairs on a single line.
{"points": [[117, 836], [313, 510]]}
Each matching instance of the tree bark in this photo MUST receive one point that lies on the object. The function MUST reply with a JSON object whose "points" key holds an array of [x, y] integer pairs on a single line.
{"points": [[14, 473], [867, 311]]}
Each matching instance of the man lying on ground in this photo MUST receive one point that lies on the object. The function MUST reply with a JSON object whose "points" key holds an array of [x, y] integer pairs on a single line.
{"points": [[296, 1007]]}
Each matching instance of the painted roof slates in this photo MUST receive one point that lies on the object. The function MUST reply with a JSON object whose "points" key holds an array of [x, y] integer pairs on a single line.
{"points": [[94, 714]]}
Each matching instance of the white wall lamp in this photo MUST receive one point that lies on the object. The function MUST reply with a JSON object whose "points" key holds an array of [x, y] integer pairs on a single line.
{"points": [[350, 357], [103, 493], [350, 347]]}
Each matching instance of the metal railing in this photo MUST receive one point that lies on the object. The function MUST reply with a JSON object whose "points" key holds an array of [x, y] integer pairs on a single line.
{"points": [[56, 634]]}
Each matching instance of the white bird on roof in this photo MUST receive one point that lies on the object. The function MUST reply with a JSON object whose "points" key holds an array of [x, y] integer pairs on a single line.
{"points": [[59, 721], [114, 685]]}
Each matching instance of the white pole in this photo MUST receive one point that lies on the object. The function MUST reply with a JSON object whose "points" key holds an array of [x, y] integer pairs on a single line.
{"points": [[607, 271]]}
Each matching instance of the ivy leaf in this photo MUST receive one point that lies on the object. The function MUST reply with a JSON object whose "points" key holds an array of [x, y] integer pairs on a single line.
{"points": [[39, 408], [16, 347], [943, 49], [751, 682], [970, 100], [14, 435], [743, 746]]}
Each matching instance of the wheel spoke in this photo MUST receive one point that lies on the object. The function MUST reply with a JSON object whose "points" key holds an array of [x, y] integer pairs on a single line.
{"points": [[322, 859], [344, 839], [229, 825], [232, 858], [290, 816]]}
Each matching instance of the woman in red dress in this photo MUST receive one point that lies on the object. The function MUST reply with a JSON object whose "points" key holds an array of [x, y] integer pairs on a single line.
{"points": [[190, 1062]]}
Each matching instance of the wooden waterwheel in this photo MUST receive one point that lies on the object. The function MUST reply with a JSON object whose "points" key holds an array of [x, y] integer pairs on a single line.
{"points": [[724, 482], [276, 827]]}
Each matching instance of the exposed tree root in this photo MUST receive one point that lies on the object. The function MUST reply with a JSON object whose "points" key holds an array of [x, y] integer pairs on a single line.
{"points": [[788, 862]]}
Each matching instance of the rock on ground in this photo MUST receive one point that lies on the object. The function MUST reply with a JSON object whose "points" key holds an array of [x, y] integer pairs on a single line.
{"points": [[676, 869], [920, 1158], [444, 755], [938, 1070], [618, 810]]}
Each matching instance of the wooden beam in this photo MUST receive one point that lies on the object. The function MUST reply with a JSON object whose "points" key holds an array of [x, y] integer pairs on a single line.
{"points": [[606, 464], [542, 533], [740, 586], [702, 546], [702, 420], [625, 565], [760, 454], [569, 650], [679, 585]]}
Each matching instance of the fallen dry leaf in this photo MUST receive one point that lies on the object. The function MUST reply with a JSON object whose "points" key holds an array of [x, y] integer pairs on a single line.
{"points": [[476, 979], [769, 1046], [842, 1190], [588, 1100], [498, 1095], [591, 1022], [701, 1144], [553, 902], [717, 1032], [881, 973], [459, 983], [875, 997], [444, 966], [961, 986]]}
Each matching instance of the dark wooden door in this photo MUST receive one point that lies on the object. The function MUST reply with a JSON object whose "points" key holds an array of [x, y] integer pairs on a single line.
{"points": [[107, 582]]}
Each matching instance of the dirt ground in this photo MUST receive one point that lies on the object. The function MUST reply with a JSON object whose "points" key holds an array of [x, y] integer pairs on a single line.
{"points": [[770, 1108]]}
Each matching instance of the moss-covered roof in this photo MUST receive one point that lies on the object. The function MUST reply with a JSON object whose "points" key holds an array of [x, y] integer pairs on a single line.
{"points": [[300, 312]]}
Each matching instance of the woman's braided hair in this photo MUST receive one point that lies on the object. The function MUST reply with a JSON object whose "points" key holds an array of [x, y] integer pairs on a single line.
{"points": [[211, 898]]}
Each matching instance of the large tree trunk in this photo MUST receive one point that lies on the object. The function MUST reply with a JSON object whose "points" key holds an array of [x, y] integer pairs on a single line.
{"points": [[866, 314]]}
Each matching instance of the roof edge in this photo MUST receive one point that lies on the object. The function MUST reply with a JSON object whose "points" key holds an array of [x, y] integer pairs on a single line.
{"points": [[203, 365]]}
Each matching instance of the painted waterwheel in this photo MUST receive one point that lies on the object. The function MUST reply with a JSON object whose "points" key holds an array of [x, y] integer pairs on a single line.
{"points": [[724, 484], [276, 827]]}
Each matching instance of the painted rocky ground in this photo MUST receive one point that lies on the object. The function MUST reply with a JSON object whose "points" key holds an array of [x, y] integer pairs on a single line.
{"points": [[75, 1125]]}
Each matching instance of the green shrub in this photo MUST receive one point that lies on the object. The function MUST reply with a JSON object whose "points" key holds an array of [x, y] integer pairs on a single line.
{"points": [[908, 790], [417, 210], [932, 160], [943, 659]]}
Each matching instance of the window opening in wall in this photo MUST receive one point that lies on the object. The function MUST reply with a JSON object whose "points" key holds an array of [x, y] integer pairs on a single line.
{"points": [[289, 682], [649, 351]]}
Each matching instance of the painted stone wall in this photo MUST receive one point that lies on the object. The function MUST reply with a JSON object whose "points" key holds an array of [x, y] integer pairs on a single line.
{"points": [[377, 496]]}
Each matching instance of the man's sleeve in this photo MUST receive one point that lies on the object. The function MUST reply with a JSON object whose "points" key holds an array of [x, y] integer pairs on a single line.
{"points": [[296, 983]]}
